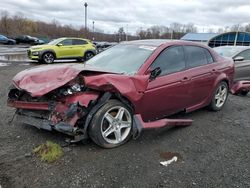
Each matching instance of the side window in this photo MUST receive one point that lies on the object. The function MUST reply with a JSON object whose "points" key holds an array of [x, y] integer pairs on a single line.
{"points": [[210, 59], [196, 56], [245, 54], [79, 42], [170, 60], [67, 42]]}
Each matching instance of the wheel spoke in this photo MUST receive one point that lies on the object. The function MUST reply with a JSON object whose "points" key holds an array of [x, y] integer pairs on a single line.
{"points": [[108, 131], [218, 102], [120, 114], [125, 124], [217, 96], [118, 135], [223, 92], [109, 118]]}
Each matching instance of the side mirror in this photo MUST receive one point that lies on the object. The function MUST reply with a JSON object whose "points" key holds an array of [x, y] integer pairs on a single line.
{"points": [[154, 73], [239, 58], [59, 44]]}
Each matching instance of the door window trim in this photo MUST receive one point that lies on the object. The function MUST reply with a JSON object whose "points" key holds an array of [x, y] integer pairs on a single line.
{"points": [[167, 48]]}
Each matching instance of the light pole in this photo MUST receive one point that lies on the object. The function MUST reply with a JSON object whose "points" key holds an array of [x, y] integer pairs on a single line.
{"points": [[93, 30], [85, 5]]}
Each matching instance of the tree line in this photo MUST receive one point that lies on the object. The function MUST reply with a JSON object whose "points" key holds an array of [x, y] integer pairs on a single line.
{"points": [[13, 26]]}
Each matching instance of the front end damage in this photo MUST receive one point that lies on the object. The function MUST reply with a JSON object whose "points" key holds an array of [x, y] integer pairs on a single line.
{"points": [[66, 99], [65, 115]]}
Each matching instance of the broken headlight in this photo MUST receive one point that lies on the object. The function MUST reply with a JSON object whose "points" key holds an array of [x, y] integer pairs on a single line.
{"points": [[72, 89]]}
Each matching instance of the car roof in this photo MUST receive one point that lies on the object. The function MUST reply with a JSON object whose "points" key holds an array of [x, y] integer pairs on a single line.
{"points": [[149, 42], [159, 42], [72, 38]]}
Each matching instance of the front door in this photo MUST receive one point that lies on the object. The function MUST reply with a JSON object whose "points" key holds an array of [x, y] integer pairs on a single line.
{"points": [[66, 50], [168, 93]]}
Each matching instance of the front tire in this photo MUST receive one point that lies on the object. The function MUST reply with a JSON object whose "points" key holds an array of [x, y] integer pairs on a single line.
{"points": [[48, 58], [112, 124], [219, 97]]}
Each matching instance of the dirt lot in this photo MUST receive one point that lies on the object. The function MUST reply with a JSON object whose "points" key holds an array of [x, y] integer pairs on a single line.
{"points": [[213, 152]]}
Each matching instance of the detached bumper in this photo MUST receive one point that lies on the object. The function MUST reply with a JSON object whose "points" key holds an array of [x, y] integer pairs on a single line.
{"points": [[240, 86]]}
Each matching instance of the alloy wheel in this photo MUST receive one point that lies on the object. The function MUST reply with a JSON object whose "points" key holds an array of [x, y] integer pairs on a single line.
{"points": [[48, 58], [116, 125], [221, 96]]}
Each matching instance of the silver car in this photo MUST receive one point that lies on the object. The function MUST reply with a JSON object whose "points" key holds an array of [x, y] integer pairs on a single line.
{"points": [[241, 57]]}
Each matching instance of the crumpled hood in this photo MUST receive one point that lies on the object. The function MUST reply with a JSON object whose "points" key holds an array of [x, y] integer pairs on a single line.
{"points": [[43, 79]]}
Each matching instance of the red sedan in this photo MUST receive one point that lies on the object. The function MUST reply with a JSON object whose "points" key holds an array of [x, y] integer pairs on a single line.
{"points": [[131, 86]]}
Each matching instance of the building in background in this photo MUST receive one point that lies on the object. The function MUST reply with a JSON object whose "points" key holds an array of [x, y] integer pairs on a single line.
{"points": [[224, 39]]}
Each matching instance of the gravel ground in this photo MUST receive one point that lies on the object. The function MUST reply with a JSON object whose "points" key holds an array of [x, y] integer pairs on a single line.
{"points": [[213, 152]]}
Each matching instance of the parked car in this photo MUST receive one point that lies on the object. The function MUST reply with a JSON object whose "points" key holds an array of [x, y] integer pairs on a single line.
{"points": [[26, 39], [38, 41], [101, 46], [63, 48], [6, 40], [131, 86], [241, 57]]}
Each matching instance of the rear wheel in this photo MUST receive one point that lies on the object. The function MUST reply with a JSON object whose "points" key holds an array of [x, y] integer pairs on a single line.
{"points": [[88, 55], [48, 58], [219, 97], [111, 125]]}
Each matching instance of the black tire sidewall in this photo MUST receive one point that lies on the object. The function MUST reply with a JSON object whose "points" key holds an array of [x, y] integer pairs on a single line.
{"points": [[212, 105], [95, 125]]}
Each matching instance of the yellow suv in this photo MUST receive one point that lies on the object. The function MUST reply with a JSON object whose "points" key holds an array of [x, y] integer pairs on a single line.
{"points": [[63, 48]]}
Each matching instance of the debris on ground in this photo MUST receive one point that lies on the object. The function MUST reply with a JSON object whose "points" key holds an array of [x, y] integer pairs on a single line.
{"points": [[166, 163]]}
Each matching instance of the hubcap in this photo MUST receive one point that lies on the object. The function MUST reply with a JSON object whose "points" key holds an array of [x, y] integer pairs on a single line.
{"points": [[116, 125], [49, 58], [220, 96]]}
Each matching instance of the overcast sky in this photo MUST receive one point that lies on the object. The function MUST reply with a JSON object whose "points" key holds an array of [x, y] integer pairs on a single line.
{"points": [[109, 15]]}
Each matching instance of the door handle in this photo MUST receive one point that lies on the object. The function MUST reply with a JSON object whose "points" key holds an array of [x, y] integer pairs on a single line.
{"points": [[213, 71], [184, 79]]}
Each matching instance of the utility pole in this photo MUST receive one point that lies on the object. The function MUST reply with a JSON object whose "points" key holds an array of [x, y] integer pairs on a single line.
{"points": [[86, 5], [127, 32]]}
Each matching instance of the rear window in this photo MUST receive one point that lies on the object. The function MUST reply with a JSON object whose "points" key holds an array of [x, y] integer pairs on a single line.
{"points": [[79, 42], [196, 56]]}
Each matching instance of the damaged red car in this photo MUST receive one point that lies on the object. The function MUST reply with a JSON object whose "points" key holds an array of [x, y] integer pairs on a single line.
{"points": [[129, 87]]}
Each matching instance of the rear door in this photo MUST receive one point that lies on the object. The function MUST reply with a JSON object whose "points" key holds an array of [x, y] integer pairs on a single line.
{"points": [[242, 68], [201, 72], [66, 50], [79, 47], [167, 94]]}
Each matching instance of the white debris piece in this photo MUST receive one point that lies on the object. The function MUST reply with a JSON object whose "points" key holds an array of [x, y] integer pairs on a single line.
{"points": [[166, 163]]}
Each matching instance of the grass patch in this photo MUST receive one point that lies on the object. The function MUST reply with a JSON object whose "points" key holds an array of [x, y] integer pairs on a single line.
{"points": [[49, 152]]}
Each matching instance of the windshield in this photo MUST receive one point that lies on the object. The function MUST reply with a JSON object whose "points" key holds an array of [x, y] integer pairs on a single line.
{"points": [[123, 58], [54, 42], [227, 51]]}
